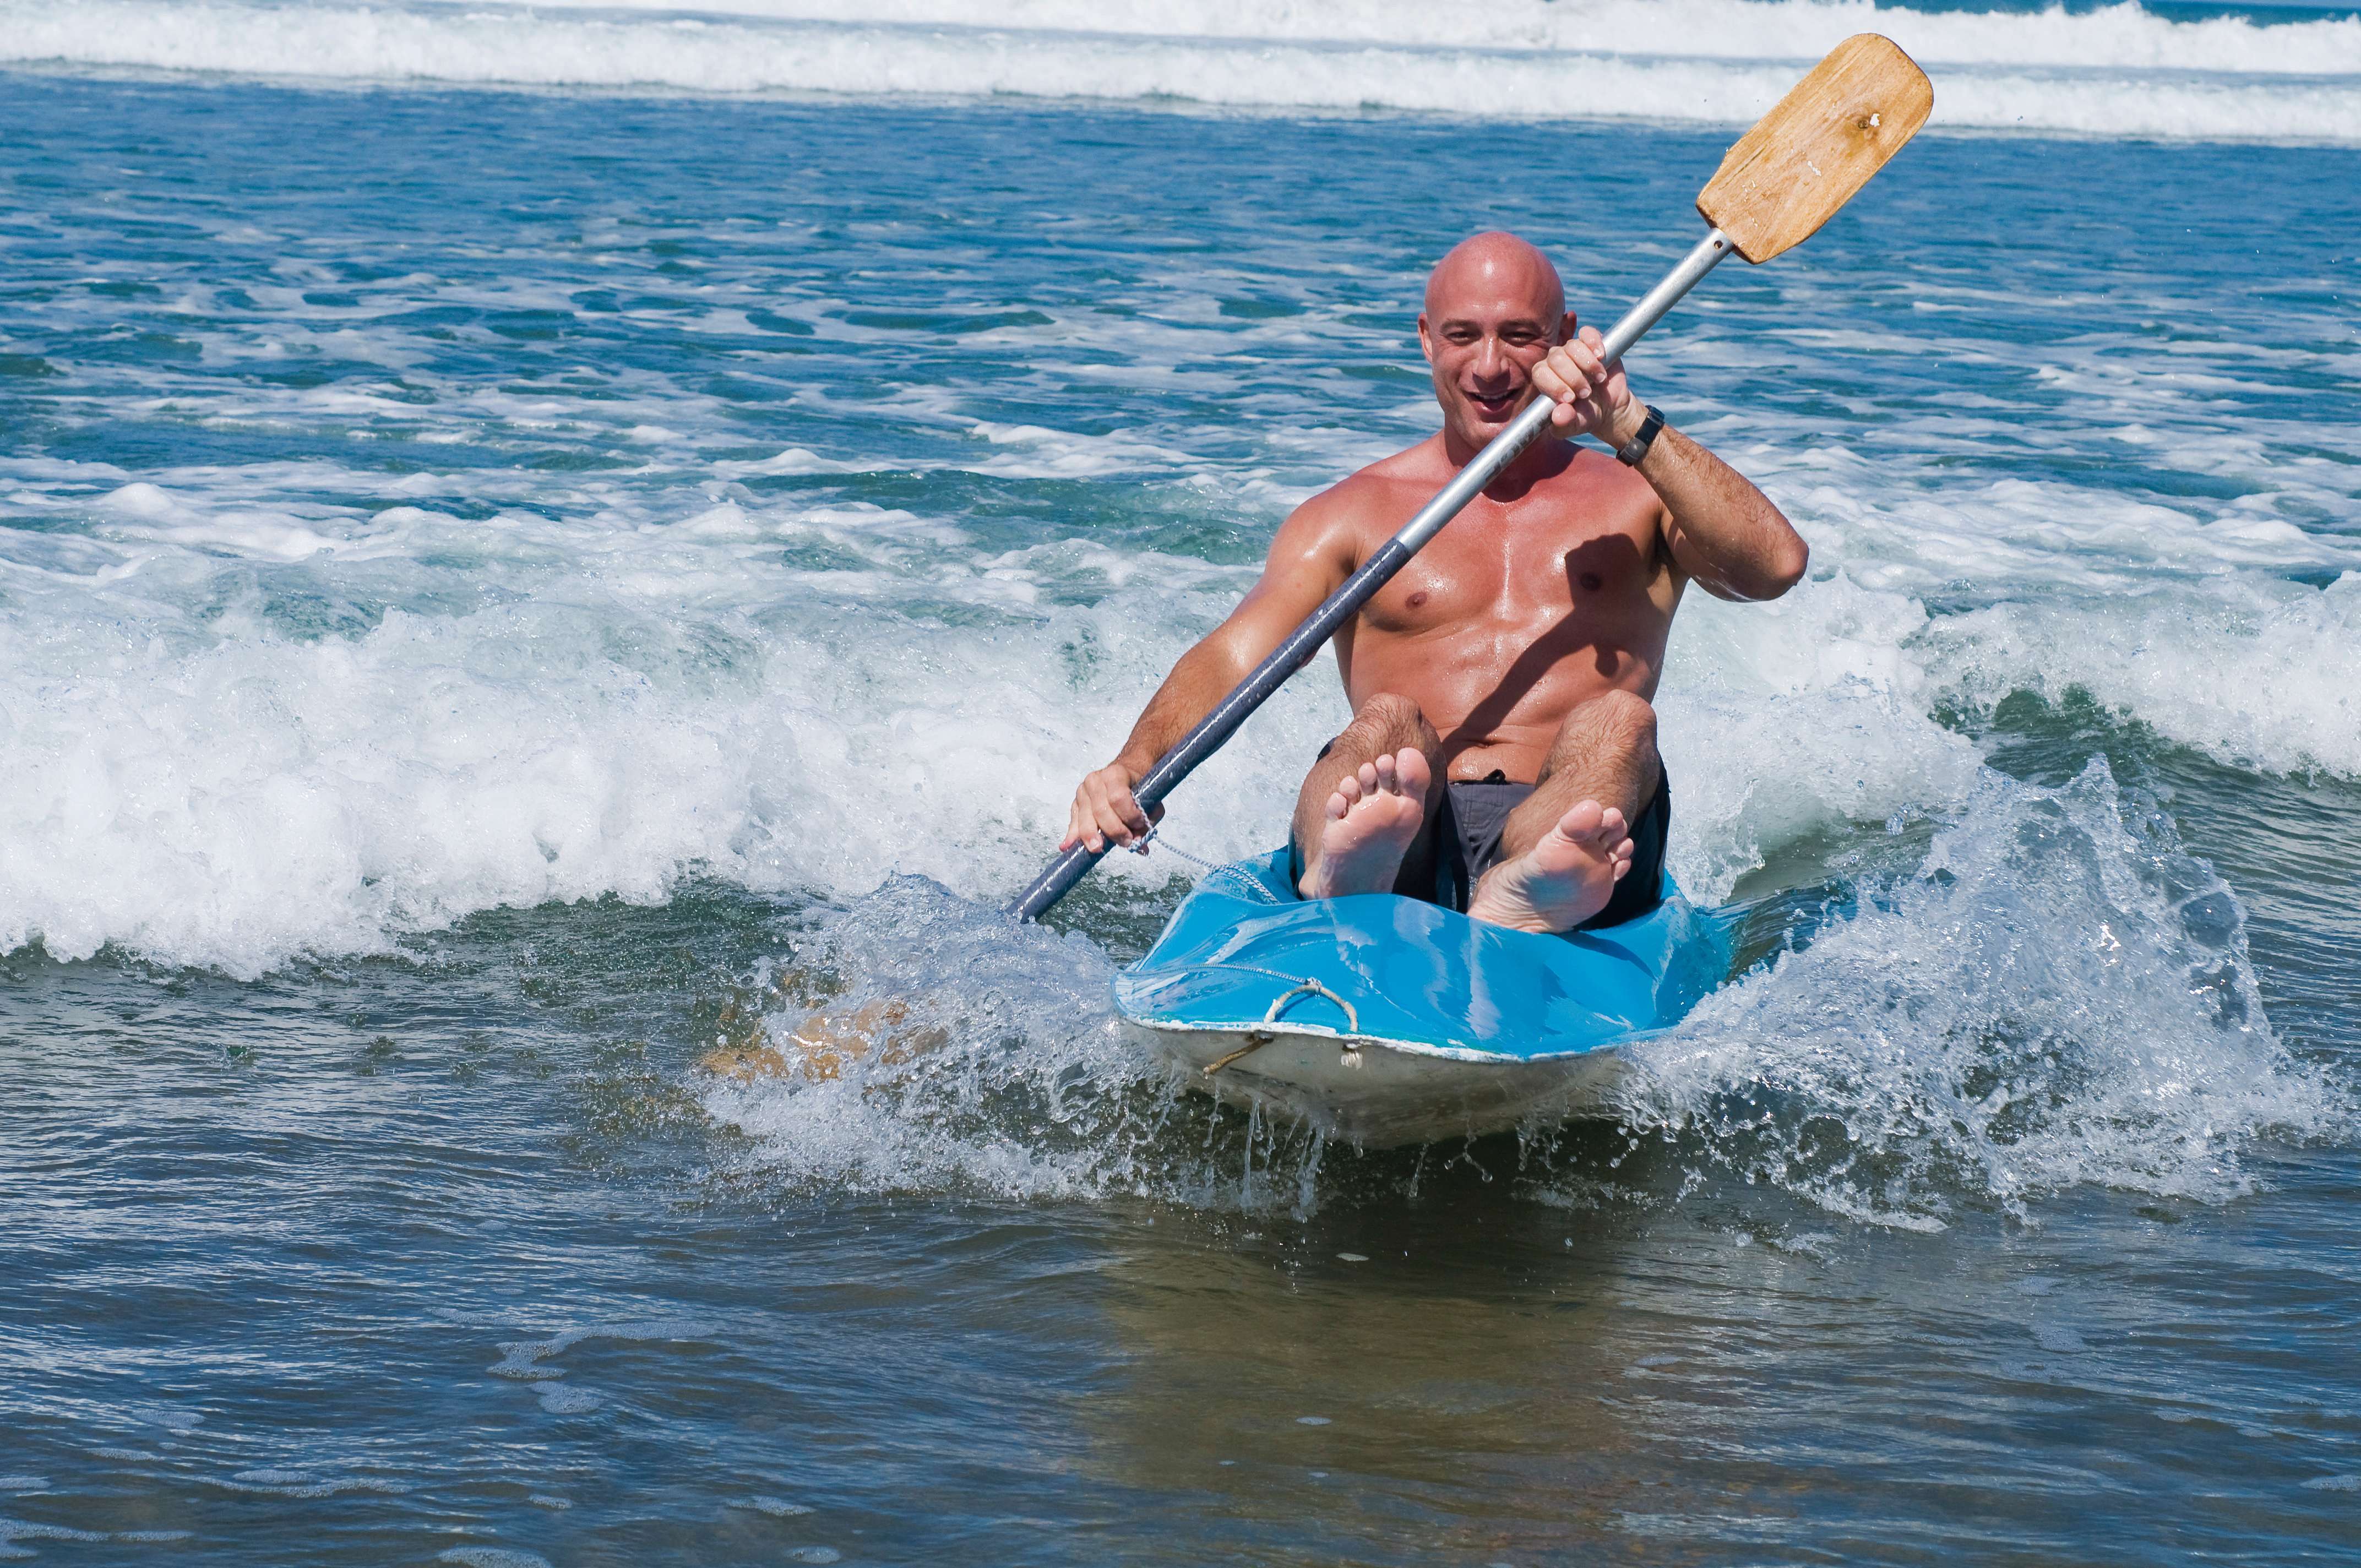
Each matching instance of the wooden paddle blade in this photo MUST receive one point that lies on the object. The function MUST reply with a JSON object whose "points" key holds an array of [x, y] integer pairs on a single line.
{"points": [[1804, 159]]}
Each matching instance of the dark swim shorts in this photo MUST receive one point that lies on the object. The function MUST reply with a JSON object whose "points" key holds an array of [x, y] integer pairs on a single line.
{"points": [[1462, 841]]}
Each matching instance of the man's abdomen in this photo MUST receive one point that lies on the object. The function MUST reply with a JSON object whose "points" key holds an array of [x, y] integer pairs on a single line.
{"points": [[1498, 708]]}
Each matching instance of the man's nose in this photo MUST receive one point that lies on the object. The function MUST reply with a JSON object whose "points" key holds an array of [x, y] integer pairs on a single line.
{"points": [[1492, 361]]}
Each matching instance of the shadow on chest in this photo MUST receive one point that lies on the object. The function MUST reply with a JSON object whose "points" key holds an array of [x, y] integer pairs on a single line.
{"points": [[1498, 577]]}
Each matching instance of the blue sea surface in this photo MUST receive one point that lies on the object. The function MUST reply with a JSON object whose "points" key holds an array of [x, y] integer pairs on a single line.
{"points": [[511, 602]]}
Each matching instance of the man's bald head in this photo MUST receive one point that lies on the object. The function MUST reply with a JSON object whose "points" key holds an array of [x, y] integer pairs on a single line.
{"points": [[1495, 268], [1494, 307]]}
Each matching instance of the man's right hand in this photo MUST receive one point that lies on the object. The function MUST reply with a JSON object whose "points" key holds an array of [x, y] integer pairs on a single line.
{"points": [[1104, 811]]}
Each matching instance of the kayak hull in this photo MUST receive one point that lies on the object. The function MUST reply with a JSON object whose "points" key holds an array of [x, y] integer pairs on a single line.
{"points": [[1380, 1095], [1385, 1020]]}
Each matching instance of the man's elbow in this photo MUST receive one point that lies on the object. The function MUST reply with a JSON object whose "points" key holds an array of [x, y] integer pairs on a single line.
{"points": [[1788, 566]]}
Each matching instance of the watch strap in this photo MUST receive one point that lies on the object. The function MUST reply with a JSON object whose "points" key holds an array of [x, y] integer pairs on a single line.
{"points": [[1632, 451]]}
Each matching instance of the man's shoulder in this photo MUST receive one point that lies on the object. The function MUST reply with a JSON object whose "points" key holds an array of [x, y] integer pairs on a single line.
{"points": [[1421, 463], [1410, 475]]}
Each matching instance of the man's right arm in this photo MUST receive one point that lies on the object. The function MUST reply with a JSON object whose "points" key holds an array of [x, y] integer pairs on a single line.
{"points": [[1312, 555]]}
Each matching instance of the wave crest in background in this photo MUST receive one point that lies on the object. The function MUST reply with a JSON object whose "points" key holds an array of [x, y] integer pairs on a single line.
{"points": [[210, 770], [202, 764], [2122, 72]]}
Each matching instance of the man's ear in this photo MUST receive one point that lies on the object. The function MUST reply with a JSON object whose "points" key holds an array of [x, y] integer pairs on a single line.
{"points": [[1565, 328], [1425, 344]]}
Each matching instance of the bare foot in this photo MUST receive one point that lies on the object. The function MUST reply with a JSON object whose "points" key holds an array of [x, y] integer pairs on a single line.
{"points": [[1563, 880], [1372, 818]]}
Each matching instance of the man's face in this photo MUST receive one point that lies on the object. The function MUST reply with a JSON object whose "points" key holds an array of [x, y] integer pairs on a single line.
{"points": [[1484, 330]]}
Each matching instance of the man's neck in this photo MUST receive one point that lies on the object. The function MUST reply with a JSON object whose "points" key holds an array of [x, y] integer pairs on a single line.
{"points": [[1545, 458]]}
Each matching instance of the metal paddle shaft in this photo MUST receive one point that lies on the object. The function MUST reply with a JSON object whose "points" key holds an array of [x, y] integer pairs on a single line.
{"points": [[1305, 641]]}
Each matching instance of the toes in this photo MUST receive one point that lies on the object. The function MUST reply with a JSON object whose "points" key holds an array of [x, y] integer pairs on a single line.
{"points": [[1584, 822], [1387, 783], [1410, 766], [1593, 824]]}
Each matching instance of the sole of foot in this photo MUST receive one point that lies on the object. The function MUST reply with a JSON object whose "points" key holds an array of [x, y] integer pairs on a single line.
{"points": [[1373, 815], [1563, 880]]}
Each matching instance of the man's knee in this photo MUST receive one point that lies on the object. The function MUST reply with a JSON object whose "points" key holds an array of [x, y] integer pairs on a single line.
{"points": [[1626, 717], [1395, 720], [1615, 723]]}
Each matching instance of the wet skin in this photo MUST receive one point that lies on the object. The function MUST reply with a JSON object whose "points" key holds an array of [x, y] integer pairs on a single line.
{"points": [[1525, 607]]}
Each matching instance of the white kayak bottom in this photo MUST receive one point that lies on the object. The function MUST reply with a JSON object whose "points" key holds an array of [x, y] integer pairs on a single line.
{"points": [[1380, 1094]]}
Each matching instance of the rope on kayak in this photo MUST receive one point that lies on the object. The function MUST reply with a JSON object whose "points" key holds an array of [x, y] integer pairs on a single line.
{"points": [[1153, 836], [1313, 988], [1306, 987]]}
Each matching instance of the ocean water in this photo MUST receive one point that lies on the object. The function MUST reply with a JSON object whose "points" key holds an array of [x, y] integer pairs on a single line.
{"points": [[535, 542]]}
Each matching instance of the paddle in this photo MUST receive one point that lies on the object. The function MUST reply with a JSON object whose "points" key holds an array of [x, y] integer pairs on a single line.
{"points": [[1778, 185]]}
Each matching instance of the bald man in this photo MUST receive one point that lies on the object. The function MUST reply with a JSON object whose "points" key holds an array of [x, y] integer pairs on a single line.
{"points": [[1515, 658]]}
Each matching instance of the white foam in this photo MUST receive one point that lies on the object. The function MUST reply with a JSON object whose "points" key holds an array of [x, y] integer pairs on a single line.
{"points": [[2200, 625], [2058, 995], [1002, 1073], [2196, 666], [2123, 35], [194, 780], [1820, 693], [776, 1508], [302, 1484], [521, 1359], [2117, 71], [14, 1530], [564, 1400]]}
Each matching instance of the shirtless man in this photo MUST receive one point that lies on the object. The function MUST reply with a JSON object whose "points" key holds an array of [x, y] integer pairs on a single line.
{"points": [[1513, 658]]}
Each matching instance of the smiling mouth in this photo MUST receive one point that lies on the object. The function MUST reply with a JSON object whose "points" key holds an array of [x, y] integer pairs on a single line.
{"points": [[1494, 408]]}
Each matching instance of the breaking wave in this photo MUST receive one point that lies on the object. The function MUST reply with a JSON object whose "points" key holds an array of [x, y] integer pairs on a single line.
{"points": [[2118, 72]]}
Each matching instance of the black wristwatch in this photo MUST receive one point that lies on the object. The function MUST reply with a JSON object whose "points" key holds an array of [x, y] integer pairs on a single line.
{"points": [[1632, 451]]}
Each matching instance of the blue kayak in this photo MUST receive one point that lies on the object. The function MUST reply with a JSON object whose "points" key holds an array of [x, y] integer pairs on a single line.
{"points": [[1385, 1021]]}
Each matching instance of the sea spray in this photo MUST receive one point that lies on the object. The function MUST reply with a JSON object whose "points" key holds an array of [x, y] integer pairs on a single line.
{"points": [[2057, 994], [924, 1043]]}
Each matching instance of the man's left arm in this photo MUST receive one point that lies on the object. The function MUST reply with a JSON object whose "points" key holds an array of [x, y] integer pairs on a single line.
{"points": [[1721, 531]]}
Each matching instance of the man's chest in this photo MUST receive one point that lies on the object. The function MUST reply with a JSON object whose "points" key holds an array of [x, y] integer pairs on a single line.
{"points": [[1499, 570]]}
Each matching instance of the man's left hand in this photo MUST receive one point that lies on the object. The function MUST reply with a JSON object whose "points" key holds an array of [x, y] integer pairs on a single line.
{"points": [[1590, 393]]}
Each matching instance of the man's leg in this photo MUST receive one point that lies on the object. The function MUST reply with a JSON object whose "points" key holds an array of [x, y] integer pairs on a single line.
{"points": [[1563, 850], [1365, 800]]}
